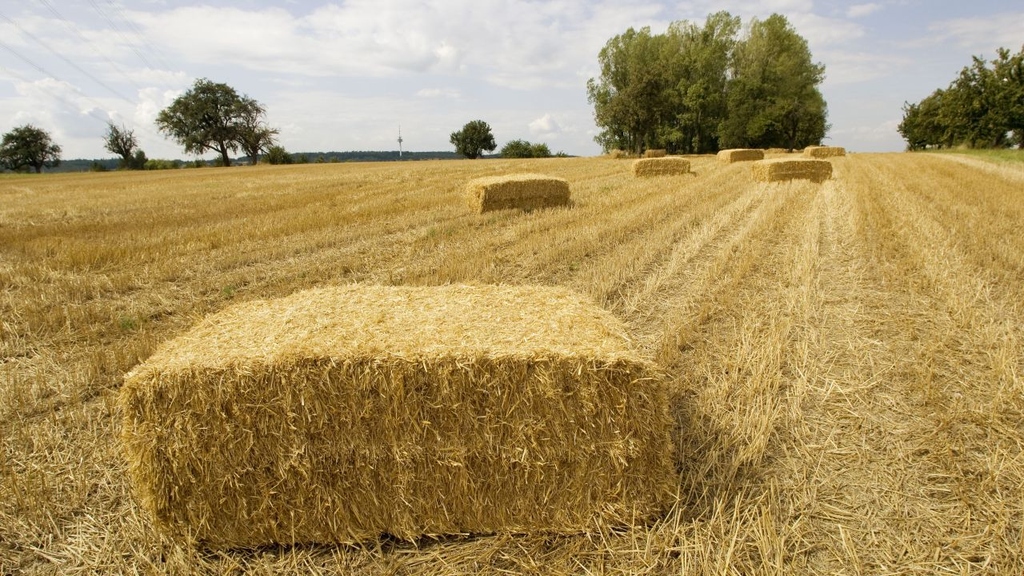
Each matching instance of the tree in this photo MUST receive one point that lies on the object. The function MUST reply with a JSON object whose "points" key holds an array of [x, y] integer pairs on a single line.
{"points": [[516, 149], [474, 138], [633, 92], [277, 155], [254, 136], [122, 141], [773, 98], [982, 108], [213, 117], [28, 146], [540, 150]]}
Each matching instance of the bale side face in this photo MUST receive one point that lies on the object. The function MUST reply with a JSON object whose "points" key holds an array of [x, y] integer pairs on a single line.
{"points": [[340, 414], [517, 191], [660, 167], [824, 151], [782, 169], [655, 153], [740, 155]]}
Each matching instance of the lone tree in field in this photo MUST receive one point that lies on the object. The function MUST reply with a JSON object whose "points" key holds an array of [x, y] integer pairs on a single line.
{"points": [[523, 149], [28, 146], [473, 139], [122, 141], [213, 117]]}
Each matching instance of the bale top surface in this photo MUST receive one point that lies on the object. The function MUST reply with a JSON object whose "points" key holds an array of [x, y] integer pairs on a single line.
{"points": [[517, 178], [406, 322]]}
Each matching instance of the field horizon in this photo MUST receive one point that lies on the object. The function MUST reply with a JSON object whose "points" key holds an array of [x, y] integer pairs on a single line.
{"points": [[845, 360]]}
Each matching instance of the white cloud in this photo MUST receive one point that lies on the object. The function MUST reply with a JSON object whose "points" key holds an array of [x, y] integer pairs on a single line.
{"points": [[844, 67], [862, 10], [438, 93], [983, 33], [545, 127]]}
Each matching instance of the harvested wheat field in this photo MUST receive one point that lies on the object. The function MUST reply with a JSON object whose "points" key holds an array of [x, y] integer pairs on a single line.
{"points": [[845, 360]]}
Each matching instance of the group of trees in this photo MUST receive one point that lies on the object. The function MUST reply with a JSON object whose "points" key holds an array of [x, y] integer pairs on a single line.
{"points": [[28, 147], [699, 89], [476, 137], [982, 108]]}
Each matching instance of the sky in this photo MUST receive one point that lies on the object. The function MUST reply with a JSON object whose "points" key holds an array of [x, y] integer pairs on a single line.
{"points": [[349, 74]]}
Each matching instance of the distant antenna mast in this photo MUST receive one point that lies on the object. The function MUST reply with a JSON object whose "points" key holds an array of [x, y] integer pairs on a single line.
{"points": [[399, 140]]}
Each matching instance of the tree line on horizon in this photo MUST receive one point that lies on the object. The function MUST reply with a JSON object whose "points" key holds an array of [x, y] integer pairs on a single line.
{"points": [[699, 89], [982, 108]]}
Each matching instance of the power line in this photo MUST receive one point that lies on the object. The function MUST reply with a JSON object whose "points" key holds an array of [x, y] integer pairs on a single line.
{"points": [[66, 60], [153, 49], [74, 30], [120, 33]]}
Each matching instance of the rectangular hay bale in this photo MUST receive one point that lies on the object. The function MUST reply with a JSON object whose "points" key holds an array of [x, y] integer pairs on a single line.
{"points": [[670, 166], [781, 169], [824, 151], [651, 153], [339, 414], [516, 191], [740, 155]]}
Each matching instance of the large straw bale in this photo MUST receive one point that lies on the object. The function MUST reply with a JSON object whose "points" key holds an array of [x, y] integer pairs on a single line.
{"points": [[824, 151], [521, 191], [651, 153], [340, 414], [780, 169], [740, 155], [670, 166]]}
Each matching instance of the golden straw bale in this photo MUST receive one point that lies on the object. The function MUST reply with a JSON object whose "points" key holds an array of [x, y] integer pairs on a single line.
{"points": [[670, 166], [824, 151], [618, 154], [740, 155], [340, 414], [655, 153], [522, 191], [779, 169], [777, 151]]}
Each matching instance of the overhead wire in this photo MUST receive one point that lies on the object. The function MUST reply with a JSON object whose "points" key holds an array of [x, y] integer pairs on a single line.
{"points": [[66, 60], [70, 26]]}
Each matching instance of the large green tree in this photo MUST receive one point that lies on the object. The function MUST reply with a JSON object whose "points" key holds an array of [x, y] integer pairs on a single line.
{"points": [[473, 139], [633, 95], [698, 88], [982, 108], [773, 98], [28, 147], [213, 117]]}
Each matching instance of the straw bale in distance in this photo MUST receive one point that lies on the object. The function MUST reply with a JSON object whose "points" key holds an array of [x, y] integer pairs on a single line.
{"points": [[824, 151], [780, 169], [339, 414], [777, 151], [740, 155], [655, 153], [521, 191], [618, 154], [670, 166]]}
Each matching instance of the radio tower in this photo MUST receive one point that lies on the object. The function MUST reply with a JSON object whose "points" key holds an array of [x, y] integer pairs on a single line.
{"points": [[399, 141]]}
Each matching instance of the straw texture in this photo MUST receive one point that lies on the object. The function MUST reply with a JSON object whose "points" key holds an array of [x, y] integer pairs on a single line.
{"points": [[824, 151], [655, 153], [517, 191], [740, 155], [340, 414], [670, 166], [781, 169]]}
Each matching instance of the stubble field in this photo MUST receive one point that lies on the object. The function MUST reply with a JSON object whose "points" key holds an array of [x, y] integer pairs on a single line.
{"points": [[846, 360]]}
